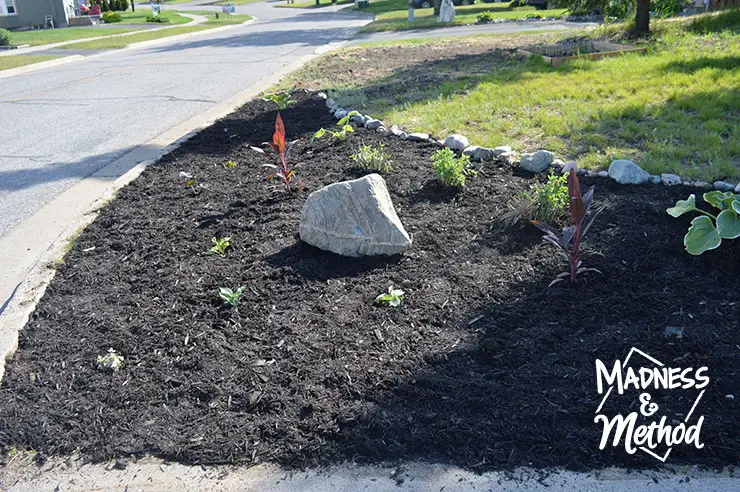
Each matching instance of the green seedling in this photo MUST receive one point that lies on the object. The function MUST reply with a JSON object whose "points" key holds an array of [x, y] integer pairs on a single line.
{"points": [[343, 125], [220, 245], [231, 297], [230, 164], [282, 99], [391, 297], [110, 361]]}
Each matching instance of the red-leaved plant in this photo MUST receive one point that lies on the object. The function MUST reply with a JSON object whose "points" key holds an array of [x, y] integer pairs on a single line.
{"points": [[281, 153], [569, 241]]}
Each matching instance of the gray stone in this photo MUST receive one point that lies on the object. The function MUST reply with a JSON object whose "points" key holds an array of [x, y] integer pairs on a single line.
{"points": [[340, 113], [557, 164], [670, 179], [507, 157], [383, 131], [627, 172], [418, 137], [456, 142], [737, 188], [396, 131], [403, 135], [372, 124], [358, 118], [724, 186], [568, 166], [500, 150], [330, 102], [537, 162], [353, 218], [655, 179], [477, 153], [702, 184], [603, 174], [673, 332], [322, 95]]}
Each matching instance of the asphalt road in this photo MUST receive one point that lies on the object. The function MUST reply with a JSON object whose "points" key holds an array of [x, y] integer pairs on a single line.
{"points": [[59, 125]]}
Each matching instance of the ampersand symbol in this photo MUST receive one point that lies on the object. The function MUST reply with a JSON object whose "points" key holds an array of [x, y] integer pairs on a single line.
{"points": [[646, 407]]}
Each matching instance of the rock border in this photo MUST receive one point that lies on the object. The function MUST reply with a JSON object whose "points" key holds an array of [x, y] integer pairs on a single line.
{"points": [[623, 171]]}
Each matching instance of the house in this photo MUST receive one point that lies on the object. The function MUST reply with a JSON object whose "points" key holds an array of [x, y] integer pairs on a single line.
{"points": [[33, 13]]}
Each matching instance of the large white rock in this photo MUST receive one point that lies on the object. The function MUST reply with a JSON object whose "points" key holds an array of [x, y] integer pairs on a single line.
{"points": [[456, 142], [537, 162], [354, 218], [627, 172]]}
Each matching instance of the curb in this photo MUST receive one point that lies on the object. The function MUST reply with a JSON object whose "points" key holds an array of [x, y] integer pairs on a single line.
{"points": [[39, 66]]}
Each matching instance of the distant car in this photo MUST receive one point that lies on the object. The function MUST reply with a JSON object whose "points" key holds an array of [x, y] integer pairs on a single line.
{"points": [[538, 4], [427, 4]]}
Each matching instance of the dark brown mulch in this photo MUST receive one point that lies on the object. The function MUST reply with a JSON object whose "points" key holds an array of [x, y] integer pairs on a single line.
{"points": [[483, 366]]}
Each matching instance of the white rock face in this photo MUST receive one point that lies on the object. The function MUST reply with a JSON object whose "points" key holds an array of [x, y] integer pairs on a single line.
{"points": [[627, 172], [456, 142], [354, 218]]}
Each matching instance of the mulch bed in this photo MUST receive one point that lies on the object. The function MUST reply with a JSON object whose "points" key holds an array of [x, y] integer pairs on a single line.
{"points": [[483, 366]]}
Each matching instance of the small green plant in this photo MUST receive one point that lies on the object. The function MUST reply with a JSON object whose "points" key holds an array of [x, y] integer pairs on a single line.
{"points": [[282, 99], [344, 128], [160, 19], [110, 361], [231, 297], [451, 170], [707, 231], [485, 17], [391, 297], [4, 37], [220, 246], [111, 17], [230, 164], [547, 202], [372, 158]]}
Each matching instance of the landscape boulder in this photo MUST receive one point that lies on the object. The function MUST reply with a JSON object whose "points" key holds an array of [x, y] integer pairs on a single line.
{"points": [[627, 172], [537, 162], [354, 218], [456, 142]]}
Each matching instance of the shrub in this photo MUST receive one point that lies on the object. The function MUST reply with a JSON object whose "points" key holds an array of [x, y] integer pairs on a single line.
{"points": [[485, 17], [111, 17], [161, 19], [4, 37], [707, 231], [372, 158], [451, 170], [547, 202]]}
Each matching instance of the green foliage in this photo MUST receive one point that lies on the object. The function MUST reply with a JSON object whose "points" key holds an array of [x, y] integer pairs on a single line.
{"points": [[104, 6], [707, 231], [220, 246], [485, 17], [372, 158], [343, 125], [669, 8], [451, 170], [123, 5], [161, 19], [533, 16], [4, 37], [391, 297], [547, 202], [282, 99], [230, 164], [111, 17], [110, 362], [231, 297]]}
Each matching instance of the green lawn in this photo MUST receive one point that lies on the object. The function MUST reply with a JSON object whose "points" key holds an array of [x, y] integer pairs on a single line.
{"points": [[139, 17], [311, 4], [46, 36], [15, 61], [123, 41], [392, 15], [673, 109]]}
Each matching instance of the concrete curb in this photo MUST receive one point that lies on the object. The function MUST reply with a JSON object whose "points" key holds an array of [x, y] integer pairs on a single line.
{"points": [[24, 278], [39, 66]]}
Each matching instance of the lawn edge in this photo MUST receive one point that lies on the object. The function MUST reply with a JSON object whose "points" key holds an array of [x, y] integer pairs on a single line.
{"points": [[39, 65]]}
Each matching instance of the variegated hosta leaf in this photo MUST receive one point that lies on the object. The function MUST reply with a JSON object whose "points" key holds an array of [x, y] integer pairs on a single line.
{"points": [[683, 206], [702, 236], [728, 224], [736, 204]]}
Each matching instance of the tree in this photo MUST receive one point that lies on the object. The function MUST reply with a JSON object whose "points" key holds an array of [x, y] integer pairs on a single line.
{"points": [[641, 8]]}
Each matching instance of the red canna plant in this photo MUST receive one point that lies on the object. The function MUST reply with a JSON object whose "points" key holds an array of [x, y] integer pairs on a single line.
{"points": [[569, 241], [281, 151]]}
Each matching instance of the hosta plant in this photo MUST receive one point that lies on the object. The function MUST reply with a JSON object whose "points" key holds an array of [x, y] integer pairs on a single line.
{"points": [[231, 297], [372, 158], [281, 152], [708, 230], [569, 240], [451, 170], [220, 245], [282, 99], [341, 133], [391, 297], [110, 361]]}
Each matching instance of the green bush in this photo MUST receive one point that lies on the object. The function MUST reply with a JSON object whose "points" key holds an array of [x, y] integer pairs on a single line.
{"points": [[484, 17], [451, 170], [4, 37], [111, 17], [372, 158], [123, 4], [161, 19]]}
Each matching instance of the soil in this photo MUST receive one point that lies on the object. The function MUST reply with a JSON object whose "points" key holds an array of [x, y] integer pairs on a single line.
{"points": [[482, 366]]}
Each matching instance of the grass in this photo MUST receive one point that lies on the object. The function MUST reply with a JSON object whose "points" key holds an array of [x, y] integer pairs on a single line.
{"points": [[673, 109], [139, 17], [7, 62], [47, 36], [311, 4], [392, 15], [123, 41]]}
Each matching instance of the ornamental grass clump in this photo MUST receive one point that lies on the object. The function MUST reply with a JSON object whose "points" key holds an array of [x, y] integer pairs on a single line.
{"points": [[546, 202], [569, 241], [708, 230], [450, 170], [372, 158]]}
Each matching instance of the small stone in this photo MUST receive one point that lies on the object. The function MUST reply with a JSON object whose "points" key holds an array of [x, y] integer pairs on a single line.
{"points": [[358, 118], [568, 166], [340, 113], [383, 131], [507, 158], [557, 164], [403, 135], [322, 95], [396, 131], [354, 218], [330, 102], [418, 137], [477, 153], [627, 172], [456, 142], [603, 174], [730, 397], [724, 186], [536, 162], [737, 188], [673, 331], [372, 124], [655, 179], [591, 173], [702, 184], [500, 150], [670, 179]]}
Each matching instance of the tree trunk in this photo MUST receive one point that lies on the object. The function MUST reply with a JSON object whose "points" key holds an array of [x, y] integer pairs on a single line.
{"points": [[642, 18], [437, 6]]}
